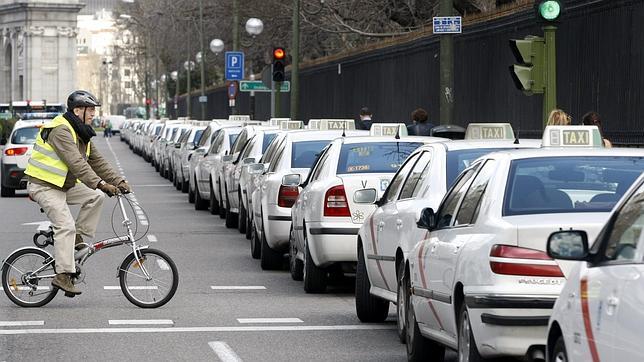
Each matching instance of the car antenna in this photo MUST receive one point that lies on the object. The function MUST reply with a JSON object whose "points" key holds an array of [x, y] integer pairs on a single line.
{"points": [[344, 128], [397, 134], [516, 139]]}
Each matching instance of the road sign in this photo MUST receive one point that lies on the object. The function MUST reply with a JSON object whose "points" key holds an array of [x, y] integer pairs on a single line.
{"points": [[203, 99], [447, 25], [258, 86], [232, 90], [234, 65]]}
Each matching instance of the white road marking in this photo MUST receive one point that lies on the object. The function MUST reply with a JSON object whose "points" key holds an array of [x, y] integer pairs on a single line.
{"points": [[358, 327], [268, 320], [159, 185], [144, 223], [237, 287], [152, 239], [224, 352], [140, 212], [132, 287], [117, 322], [163, 265], [21, 323]]}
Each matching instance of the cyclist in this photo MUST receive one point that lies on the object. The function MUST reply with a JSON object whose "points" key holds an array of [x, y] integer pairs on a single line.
{"points": [[65, 168]]}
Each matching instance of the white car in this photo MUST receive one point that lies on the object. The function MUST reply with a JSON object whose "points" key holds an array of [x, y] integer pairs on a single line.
{"points": [[272, 201], [326, 216], [16, 153], [223, 140], [390, 232], [599, 316], [480, 282], [237, 193], [158, 145], [168, 151], [180, 163]]}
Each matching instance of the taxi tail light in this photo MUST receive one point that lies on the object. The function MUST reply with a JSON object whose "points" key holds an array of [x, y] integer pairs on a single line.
{"points": [[287, 196], [522, 262], [18, 151], [335, 202]]}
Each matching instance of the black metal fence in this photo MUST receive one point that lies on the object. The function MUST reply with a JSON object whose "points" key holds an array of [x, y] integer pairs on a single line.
{"points": [[600, 67]]}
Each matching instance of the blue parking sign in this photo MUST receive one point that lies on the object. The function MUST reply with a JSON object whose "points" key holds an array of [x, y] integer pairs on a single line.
{"points": [[234, 66]]}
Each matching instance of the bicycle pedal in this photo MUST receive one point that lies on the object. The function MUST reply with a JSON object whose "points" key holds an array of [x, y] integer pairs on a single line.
{"points": [[70, 295]]}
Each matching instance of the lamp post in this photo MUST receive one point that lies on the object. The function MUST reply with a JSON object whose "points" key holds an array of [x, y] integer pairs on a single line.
{"points": [[216, 46], [189, 66], [254, 27], [174, 75]]}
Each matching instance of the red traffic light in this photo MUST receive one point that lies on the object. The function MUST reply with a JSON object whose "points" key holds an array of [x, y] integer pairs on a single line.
{"points": [[279, 53]]}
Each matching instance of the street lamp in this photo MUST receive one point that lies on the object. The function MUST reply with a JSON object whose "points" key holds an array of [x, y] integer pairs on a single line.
{"points": [[174, 75], [254, 26], [216, 46], [198, 57]]}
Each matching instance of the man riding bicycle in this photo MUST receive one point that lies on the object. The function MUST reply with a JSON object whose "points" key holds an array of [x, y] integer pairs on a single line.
{"points": [[65, 168]]}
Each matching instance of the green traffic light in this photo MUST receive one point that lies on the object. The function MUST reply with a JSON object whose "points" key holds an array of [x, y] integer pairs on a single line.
{"points": [[550, 9]]}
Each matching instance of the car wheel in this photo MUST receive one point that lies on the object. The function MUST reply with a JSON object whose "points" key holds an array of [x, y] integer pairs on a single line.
{"points": [[241, 218], [214, 204], [177, 182], [200, 204], [559, 353], [401, 304], [7, 191], [231, 217], [185, 185], [419, 347], [296, 266], [222, 209], [191, 194], [467, 350], [255, 247], [170, 174], [249, 224], [315, 279], [269, 258], [369, 308]]}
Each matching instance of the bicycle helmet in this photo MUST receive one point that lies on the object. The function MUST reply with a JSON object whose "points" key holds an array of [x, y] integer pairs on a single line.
{"points": [[81, 98]]}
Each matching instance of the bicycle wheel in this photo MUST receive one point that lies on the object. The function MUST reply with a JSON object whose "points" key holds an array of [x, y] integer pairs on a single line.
{"points": [[161, 286], [24, 287]]}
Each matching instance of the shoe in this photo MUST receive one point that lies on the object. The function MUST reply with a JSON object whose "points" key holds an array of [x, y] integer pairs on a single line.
{"points": [[80, 244], [64, 282]]}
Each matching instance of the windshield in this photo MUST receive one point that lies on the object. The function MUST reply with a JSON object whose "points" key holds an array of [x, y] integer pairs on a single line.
{"points": [[268, 138], [459, 160], [371, 157], [198, 136], [568, 184], [305, 153], [24, 136], [232, 138]]}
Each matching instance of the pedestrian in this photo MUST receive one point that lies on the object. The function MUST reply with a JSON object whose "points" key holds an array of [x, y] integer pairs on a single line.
{"points": [[365, 120], [108, 129], [559, 118], [593, 118], [420, 126], [65, 168]]}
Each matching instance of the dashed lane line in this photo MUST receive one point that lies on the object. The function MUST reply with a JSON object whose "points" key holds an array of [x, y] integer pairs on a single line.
{"points": [[21, 323], [224, 352], [268, 320], [139, 322], [152, 239], [132, 287], [359, 327], [237, 287]]}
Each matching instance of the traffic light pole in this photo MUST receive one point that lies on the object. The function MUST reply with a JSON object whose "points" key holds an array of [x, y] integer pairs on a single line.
{"points": [[295, 61], [550, 94], [233, 109], [278, 99], [446, 68]]}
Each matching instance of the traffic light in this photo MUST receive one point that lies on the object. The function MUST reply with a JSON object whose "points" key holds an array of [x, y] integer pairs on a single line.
{"points": [[529, 74], [279, 64], [549, 10]]}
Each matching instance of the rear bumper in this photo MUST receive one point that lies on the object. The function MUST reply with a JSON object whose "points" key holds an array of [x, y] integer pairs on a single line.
{"points": [[13, 177], [331, 243]]}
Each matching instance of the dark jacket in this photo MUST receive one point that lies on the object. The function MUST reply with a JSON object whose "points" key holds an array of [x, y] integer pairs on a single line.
{"points": [[420, 129]]}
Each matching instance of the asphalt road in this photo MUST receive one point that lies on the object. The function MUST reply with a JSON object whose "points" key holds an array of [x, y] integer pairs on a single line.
{"points": [[199, 323]]}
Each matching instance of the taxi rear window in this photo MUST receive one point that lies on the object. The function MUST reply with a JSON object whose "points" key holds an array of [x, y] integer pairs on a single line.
{"points": [[371, 157], [198, 136], [232, 138], [459, 160], [268, 138], [568, 184], [305, 152], [25, 136]]}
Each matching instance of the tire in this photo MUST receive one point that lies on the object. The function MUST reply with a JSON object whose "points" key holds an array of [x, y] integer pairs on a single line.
{"points": [[191, 193], [241, 218], [185, 185], [269, 258], [467, 350], [559, 353], [200, 204], [295, 265], [419, 347], [7, 191], [177, 184], [231, 217], [213, 206], [315, 279], [222, 209], [170, 174], [402, 303], [255, 245], [249, 224], [124, 272], [9, 285], [369, 308]]}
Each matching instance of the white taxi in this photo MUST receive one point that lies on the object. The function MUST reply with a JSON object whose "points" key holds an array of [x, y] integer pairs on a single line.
{"points": [[480, 281], [326, 216], [16, 153], [180, 163], [387, 236], [599, 316], [272, 201]]}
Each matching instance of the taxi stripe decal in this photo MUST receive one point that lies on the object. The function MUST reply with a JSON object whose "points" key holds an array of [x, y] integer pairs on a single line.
{"points": [[587, 324], [424, 282], [375, 252]]}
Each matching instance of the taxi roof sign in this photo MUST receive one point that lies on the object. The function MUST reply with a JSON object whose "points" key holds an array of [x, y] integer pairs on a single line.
{"points": [[388, 129], [239, 118], [572, 136], [332, 124], [276, 121], [287, 125], [489, 131], [251, 123]]}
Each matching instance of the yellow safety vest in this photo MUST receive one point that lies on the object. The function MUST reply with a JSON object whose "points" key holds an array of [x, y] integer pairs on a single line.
{"points": [[44, 164]]}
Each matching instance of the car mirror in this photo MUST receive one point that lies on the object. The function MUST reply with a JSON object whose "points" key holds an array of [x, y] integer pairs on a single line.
{"points": [[256, 168], [227, 158], [365, 196], [248, 161], [177, 145], [568, 245], [291, 180], [427, 219]]}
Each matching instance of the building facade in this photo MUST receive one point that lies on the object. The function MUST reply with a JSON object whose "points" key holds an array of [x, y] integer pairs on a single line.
{"points": [[38, 49]]}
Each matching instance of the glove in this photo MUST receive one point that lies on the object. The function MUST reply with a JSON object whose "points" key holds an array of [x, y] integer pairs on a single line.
{"points": [[124, 187], [109, 190]]}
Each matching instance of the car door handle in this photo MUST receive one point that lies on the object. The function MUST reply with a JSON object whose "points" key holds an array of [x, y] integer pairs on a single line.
{"points": [[381, 225], [399, 224], [432, 250]]}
